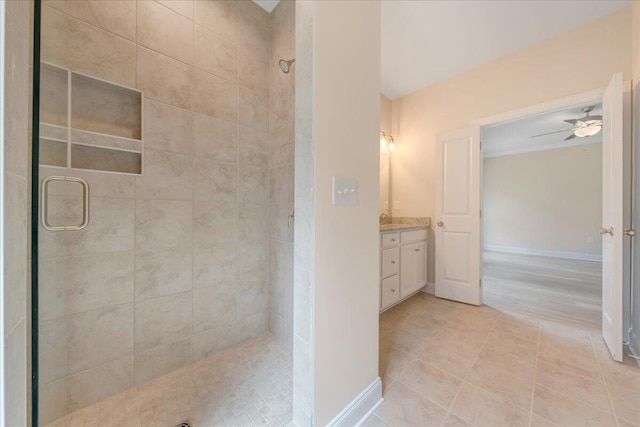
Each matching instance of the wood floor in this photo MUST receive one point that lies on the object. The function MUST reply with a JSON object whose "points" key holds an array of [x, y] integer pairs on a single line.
{"points": [[560, 290]]}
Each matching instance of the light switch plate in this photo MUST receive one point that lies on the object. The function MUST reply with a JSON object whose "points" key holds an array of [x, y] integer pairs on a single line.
{"points": [[345, 191]]}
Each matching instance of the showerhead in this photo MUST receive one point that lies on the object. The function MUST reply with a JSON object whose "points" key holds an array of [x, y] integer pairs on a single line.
{"points": [[286, 65]]}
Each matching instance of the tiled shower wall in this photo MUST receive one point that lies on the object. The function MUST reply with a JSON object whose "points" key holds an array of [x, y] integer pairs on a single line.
{"points": [[174, 265], [281, 170], [17, 110]]}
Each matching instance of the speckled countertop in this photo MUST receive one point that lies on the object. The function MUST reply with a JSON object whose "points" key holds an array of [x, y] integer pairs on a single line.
{"points": [[385, 228]]}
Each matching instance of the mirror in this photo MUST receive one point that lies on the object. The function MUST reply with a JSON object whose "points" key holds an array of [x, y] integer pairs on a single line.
{"points": [[385, 180]]}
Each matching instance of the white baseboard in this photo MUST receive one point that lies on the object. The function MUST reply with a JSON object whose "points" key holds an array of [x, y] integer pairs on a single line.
{"points": [[430, 288], [544, 252], [360, 408]]}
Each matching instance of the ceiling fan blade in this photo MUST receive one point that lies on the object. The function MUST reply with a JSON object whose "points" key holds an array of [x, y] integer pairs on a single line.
{"points": [[572, 121], [573, 135], [551, 133]]}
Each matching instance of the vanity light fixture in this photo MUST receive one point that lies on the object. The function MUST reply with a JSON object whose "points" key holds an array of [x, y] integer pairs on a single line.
{"points": [[387, 141]]}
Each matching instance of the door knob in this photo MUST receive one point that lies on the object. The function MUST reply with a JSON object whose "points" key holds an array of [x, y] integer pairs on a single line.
{"points": [[606, 231], [440, 223], [630, 232]]}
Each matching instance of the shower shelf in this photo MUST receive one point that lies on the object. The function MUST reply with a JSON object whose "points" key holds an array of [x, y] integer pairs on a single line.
{"points": [[89, 123]]}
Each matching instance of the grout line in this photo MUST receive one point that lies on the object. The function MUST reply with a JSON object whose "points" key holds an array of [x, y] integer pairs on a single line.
{"points": [[604, 382], [535, 374]]}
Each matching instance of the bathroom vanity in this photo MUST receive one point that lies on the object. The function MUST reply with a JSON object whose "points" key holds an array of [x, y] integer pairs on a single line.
{"points": [[403, 262]]}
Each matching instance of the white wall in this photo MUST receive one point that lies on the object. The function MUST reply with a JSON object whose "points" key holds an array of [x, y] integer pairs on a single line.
{"points": [[577, 61], [635, 316], [342, 140], [547, 202], [385, 156]]}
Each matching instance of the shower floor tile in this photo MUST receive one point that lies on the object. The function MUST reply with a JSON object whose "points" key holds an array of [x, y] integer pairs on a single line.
{"points": [[246, 385]]}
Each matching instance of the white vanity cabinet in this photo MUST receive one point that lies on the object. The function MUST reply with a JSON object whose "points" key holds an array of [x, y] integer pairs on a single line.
{"points": [[403, 265]]}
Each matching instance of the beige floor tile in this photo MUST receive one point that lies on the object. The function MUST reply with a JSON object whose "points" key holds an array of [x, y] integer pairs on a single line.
{"points": [[625, 423], [572, 362], [393, 362], [565, 411], [509, 360], [581, 388], [537, 421], [454, 421], [431, 382], [485, 409], [374, 421], [403, 407], [523, 327], [457, 363], [403, 341], [508, 384], [625, 404]]}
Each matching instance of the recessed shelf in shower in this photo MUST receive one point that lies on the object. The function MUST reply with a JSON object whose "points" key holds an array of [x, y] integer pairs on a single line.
{"points": [[89, 123]]}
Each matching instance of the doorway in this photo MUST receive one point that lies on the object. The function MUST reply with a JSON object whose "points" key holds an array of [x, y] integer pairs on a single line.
{"points": [[542, 208]]}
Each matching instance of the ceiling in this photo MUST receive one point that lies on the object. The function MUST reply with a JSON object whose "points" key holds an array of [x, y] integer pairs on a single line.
{"points": [[515, 136], [424, 42], [267, 5]]}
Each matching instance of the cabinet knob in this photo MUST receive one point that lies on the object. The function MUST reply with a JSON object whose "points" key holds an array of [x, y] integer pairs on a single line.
{"points": [[440, 223], [417, 250], [393, 262], [393, 240], [393, 290]]}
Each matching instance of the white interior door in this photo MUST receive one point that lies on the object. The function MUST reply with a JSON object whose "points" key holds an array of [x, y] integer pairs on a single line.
{"points": [[613, 216], [458, 231]]}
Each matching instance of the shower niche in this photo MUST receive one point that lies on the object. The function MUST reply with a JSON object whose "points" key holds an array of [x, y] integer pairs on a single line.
{"points": [[89, 123]]}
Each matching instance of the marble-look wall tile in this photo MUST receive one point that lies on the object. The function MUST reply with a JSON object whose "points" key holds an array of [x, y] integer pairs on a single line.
{"points": [[115, 16], [254, 109], [110, 230], [281, 146], [166, 176], [218, 16], [16, 372], [255, 324], [253, 147], [281, 279], [252, 9], [162, 224], [254, 36], [163, 272], [69, 42], [253, 187], [280, 228], [214, 180], [101, 185], [163, 78], [52, 350], [78, 284], [167, 128], [113, 377], [281, 184], [215, 138], [152, 363], [162, 320], [215, 54], [213, 340], [53, 401], [215, 226], [254, 71], [253, 223], [215, 266], [253, 298], [304, 234], [213, 306], [183, 7], [215, 96], [99, 336], [163, 30], [253, 262], [15, 228], [302, 303]]}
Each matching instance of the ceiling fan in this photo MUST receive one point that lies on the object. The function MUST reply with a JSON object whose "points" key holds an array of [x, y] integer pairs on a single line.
{"points": [[583, 127]]}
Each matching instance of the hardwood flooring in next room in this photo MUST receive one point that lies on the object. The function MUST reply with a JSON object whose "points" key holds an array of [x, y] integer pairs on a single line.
{"points": [[561, 290]]}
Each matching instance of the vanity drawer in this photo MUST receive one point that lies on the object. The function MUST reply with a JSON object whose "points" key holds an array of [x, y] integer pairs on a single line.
{"points": [[414, 236], [390, 240], [389, 291], [390, 261]]}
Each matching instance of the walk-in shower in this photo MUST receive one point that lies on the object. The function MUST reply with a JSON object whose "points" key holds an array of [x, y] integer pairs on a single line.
{"points": [[164, 285]]}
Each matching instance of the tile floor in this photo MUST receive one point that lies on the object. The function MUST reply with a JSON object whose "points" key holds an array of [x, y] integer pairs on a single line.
{"points": [[449, 364], [246, 385]]}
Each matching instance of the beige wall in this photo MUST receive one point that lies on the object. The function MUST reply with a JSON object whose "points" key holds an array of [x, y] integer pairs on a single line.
{"points": [[336, 247], [385, 157], [547, 202], [174, 265], [579, 60], [635, 316], [17, 173]]}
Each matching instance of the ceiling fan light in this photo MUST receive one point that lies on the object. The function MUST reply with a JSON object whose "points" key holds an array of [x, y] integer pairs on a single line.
{"points": [[588, 130]]}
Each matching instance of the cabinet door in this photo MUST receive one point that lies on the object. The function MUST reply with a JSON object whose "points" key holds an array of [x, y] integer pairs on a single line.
{"points": [[389, 291], [413, 268], [390, 261]]}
